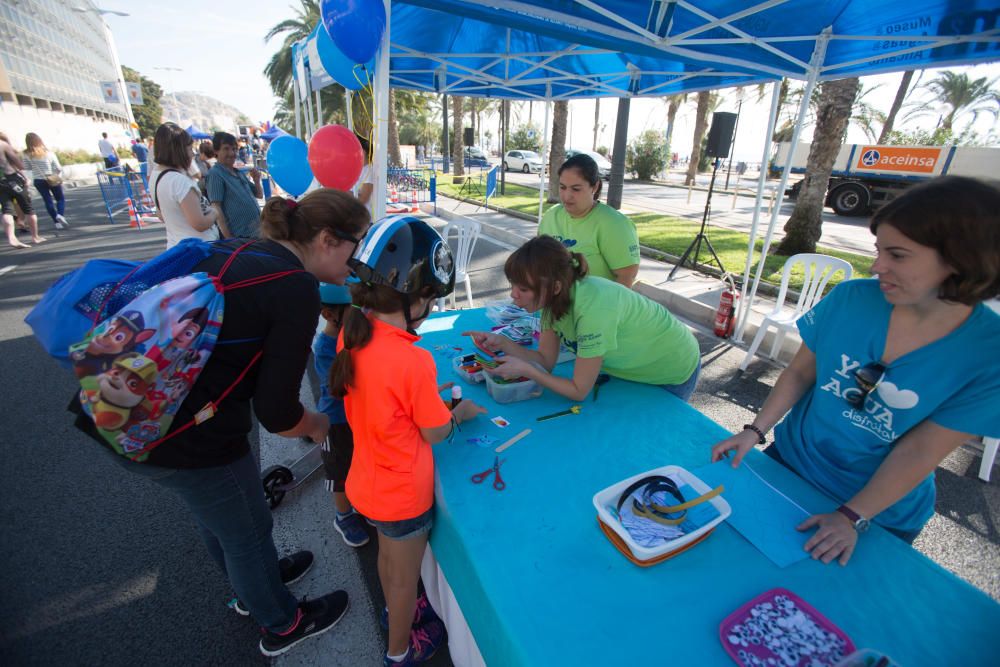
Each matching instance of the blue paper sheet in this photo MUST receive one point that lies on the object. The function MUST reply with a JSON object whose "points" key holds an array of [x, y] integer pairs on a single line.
{"points": [[765, 517]]}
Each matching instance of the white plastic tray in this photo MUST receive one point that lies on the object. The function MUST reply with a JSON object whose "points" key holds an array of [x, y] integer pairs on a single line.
{"points": [[609, 496]]}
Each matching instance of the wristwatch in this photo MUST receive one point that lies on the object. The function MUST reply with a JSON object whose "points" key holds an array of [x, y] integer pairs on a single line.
{"points": [[861, 524]]}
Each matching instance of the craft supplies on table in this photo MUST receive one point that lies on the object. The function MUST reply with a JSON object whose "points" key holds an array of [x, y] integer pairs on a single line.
{"points": [[575, 410], [780, 628], [712, 511], [498, 482], [467, 368], [511, 391], [512, 441], [504, 311]]}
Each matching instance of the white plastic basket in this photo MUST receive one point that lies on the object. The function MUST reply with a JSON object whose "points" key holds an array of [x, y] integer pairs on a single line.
{"points": [[510, 393], [610, 495], [472, 378]]}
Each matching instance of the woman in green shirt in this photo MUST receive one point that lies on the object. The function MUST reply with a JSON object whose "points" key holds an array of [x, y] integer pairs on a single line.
{"points": [[583, 224], [607, 325]]}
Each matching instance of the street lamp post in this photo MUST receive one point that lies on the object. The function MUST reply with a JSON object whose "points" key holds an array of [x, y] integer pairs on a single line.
{"points": [[120, 78], [173, 82]]}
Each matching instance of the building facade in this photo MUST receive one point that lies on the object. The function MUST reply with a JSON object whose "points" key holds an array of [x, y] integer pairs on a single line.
{"points": [[52, 60]]}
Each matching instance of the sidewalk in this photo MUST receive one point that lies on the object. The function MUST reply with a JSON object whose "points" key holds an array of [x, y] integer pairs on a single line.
{"points": [[691, 294]]}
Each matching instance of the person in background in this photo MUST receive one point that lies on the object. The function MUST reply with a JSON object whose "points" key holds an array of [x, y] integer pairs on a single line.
{"points": [[338, 448], [232, 194], [392, 402], [204, 160], [243, 153], [590, 227], [14, 190], [607, 325], [108, 152], [176, 194], [46, 173], [894, 372], [141, 154]]}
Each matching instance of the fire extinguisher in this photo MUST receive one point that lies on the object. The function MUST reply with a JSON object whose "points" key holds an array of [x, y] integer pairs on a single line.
{"points": [[725, 314]]}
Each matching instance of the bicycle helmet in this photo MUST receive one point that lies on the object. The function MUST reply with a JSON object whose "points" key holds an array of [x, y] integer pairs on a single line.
{"points": [[334, 295], [407, 255]]}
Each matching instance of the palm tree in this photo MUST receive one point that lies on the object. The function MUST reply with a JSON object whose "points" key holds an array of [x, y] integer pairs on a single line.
{"points": [[897, 103], [458, 148], [958, 95], [674, 103], [557, 147], [279, 69], [394, 156], [707, 102], [803, 229], [597, 121], [864, 115]]}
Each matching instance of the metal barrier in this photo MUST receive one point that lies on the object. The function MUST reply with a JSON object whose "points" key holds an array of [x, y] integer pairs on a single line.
{"points": [[407, 188], [119, 187]]}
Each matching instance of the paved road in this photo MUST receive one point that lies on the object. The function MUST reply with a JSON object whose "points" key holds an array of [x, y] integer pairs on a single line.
{"points": [[839, 232], [97, 567]]}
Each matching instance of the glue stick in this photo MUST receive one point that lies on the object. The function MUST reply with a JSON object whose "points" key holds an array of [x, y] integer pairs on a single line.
{"points": [[456, 396]]}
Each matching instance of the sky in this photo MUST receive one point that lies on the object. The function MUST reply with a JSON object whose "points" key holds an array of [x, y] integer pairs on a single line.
{"points": [[217, 48]]}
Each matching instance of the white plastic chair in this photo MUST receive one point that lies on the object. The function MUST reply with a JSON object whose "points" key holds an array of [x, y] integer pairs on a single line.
{"points": [[990, 447], [818, 271], [467, 233]]}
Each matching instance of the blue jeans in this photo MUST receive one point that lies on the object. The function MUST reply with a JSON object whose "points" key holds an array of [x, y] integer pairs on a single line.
{"points": [[47, 191], [235, 522], [905, 535], [684, 390]]}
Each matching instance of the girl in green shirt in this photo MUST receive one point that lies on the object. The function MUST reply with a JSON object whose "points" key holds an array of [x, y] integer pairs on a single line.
{"points": [[610, 327]]}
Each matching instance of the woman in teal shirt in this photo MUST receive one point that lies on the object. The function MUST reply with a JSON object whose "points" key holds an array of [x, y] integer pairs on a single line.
{"points": [[610, 327]]}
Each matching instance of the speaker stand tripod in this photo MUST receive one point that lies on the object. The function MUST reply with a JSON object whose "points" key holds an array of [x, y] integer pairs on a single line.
{"points": [[697, 240]]}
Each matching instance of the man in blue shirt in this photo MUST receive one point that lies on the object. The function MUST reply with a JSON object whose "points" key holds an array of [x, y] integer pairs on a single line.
{"points": [[141, 154], [231, 193]]}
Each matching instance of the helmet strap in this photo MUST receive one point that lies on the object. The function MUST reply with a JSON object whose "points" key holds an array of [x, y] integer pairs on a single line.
{"points": [[405, 298]]}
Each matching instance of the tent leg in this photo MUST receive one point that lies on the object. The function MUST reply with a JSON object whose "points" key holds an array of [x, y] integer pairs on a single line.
{"points": [[380, 122], [319, 111], [545, 150], [771, 122]]}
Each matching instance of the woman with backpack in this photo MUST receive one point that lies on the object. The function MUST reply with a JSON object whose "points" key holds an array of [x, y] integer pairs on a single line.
{"points": [[183, 209], [47, 174], [271, 309]]}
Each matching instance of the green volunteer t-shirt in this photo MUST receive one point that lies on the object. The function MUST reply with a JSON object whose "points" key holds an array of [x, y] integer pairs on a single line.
{"points": [[639, 339], [604, 236]]}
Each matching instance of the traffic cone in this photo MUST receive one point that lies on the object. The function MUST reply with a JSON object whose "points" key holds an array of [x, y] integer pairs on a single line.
{"points": [[133, 219]]}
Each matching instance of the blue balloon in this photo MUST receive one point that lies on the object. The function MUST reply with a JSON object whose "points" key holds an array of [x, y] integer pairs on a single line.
{"points": [[356, 26], [339, 66], [288, 164]]}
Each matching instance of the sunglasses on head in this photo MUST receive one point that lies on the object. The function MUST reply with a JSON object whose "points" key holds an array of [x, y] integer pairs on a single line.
{"points": [[868, 378]]}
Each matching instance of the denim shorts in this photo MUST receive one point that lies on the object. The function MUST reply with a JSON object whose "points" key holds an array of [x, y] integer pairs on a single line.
{"points": [[407, 529]]}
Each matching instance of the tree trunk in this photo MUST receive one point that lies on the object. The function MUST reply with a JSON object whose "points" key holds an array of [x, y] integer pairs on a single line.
{"points": [[395, 158], [597, 121], [458, 147], [700, 125], [904, 85], [673, 105], [557, 147], [804, 227]]}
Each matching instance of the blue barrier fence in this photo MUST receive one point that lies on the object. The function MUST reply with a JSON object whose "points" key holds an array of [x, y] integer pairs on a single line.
{"points": [[412, 186], [118, 187]]}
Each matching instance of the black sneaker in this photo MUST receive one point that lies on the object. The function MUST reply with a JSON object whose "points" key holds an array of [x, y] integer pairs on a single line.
{"points": [[292, 568], [314, 618]]}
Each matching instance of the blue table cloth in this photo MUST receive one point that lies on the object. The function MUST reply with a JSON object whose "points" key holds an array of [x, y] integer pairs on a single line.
{"points": [[539, 584]]}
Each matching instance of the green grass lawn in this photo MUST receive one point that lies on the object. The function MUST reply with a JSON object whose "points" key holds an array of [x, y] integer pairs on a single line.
{"points": [[672, 236]]}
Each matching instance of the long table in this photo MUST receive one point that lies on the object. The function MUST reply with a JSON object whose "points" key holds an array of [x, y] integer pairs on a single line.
{"points": [[539, 584]]}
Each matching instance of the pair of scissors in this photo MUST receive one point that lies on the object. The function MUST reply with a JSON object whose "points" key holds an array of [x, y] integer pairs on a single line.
{"points": [[602, 378], [498, 482]]}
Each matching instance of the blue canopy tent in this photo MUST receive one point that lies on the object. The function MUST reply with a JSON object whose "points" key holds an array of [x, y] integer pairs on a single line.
{"points": [[273, 133], [544, 50], [197, 133]]}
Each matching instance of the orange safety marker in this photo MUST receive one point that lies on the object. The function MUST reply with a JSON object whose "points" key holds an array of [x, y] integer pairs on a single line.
{"points": [[133, 218]]}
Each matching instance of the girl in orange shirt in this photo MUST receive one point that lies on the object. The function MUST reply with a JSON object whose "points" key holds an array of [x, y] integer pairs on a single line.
{"points": [[392, 403]]}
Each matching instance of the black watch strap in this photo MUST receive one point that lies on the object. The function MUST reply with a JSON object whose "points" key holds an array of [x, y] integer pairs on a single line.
{"points": [[761, 440]]}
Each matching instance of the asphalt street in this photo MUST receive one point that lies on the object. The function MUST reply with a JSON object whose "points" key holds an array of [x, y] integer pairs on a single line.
{"points": [[98, 567]]}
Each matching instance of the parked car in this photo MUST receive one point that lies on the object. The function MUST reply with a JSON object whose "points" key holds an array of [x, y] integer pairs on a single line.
{"points": [[526, 161], [476, 152], [603, 164]]}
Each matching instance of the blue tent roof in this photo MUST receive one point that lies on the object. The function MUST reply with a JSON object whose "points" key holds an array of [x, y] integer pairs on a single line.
{"points": [[613, 48], [273, 133], [197, 133]]}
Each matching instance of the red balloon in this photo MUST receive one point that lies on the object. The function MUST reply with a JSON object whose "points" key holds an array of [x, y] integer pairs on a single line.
{"points": [[336, 157]]}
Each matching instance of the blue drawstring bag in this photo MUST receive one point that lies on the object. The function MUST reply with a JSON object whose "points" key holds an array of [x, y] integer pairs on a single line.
{"points": [[86, 296]]}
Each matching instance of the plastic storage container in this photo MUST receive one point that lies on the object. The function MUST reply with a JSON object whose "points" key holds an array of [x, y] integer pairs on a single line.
{"points": [[471, 378], [609, 497], [511, 392]]}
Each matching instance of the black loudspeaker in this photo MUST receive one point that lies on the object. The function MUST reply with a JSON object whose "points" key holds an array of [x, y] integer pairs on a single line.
{"points": [[720, 137], [467, 136]]}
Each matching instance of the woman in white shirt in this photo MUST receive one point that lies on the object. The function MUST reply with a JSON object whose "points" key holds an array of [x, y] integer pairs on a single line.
{"points": [[175, 193], [47, 174]]}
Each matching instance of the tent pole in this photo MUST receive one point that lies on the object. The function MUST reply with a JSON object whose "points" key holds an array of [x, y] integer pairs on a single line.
{"points": [[319, 111], [349, 109], [815, 63], [308, 105], [545, 150], [295, 94], [772, 119], [380, 122]]}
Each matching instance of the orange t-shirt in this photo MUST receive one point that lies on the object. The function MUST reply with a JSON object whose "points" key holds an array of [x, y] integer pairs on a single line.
{"points": [[393, 396]]}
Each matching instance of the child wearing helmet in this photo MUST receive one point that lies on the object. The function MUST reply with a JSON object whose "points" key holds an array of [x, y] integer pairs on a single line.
{"points": [[395, 410], [338, 448]]}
